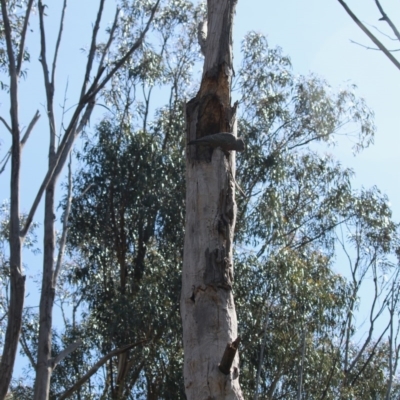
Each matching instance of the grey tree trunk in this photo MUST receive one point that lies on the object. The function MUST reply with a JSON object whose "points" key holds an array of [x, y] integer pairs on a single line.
{"points": [[44, 367], [17, 279], [207, 304]]}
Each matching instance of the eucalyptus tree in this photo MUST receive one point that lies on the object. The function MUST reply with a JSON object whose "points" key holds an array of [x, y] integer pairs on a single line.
{"points": [[126, 245], [301, 317], [295, 308]]}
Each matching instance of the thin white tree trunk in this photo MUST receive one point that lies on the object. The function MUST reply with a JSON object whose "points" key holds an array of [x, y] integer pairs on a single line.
{"points": [[207, 304]]}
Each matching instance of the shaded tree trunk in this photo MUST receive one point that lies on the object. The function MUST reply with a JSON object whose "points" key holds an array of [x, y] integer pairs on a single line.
{"points": [[207, 305]]}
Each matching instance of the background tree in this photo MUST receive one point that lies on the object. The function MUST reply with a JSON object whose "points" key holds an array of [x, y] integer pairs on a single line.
{"points": [[289, 227], [14, 33]]}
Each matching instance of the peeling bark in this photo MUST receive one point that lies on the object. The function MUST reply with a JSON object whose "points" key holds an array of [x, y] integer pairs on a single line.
{"points": [[207, 304]]}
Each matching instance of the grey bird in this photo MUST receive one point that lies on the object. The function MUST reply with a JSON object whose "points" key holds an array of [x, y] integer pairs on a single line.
{"points": [[227, 141]]}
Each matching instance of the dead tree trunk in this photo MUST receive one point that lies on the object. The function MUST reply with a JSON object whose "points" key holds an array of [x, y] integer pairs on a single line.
{"points": [[207, 305]]}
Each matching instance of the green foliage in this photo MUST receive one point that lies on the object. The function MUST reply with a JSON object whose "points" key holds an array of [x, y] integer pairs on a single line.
{"points": [[127, 229], [288, 235]]}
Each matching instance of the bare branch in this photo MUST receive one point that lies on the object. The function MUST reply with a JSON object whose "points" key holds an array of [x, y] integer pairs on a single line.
{"points": [[85, 117], [62, 153], [48, 84], [110, 39], [43, 59], [382, 33], [65, 225], [53, 68], [372, 353], [388, 20], [69, 349], [30, 127], [5, 159], [95, 367], [17, 280], [92, 50], [371, 48], [63, 112], [5, 123], [301, 366], [390, 339], [23, 141], [87, 100], [94, 90], [370, 34], [372, 319], [23, 37]]}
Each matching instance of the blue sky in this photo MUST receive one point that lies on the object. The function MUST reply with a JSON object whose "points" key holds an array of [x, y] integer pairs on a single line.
{"points": [[316, 35]]}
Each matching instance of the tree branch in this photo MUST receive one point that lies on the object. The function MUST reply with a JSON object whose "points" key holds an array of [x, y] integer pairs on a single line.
{"points": [[43, 60], [93, 91], [110, 39], [23, 37], [23, 141], [92, 50], [49, 86], [88, 100], [369, 34], [372, 353], [27, 352], [30, 127], [371, 329], [95, 367], [65, 225], [228, 356], [388, 20], [7, 33], [53, 67], [370, 48], [6, 125], [62, 153]]}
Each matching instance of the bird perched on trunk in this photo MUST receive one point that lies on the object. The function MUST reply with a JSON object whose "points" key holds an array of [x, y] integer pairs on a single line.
{"points": [[225, 140]]}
